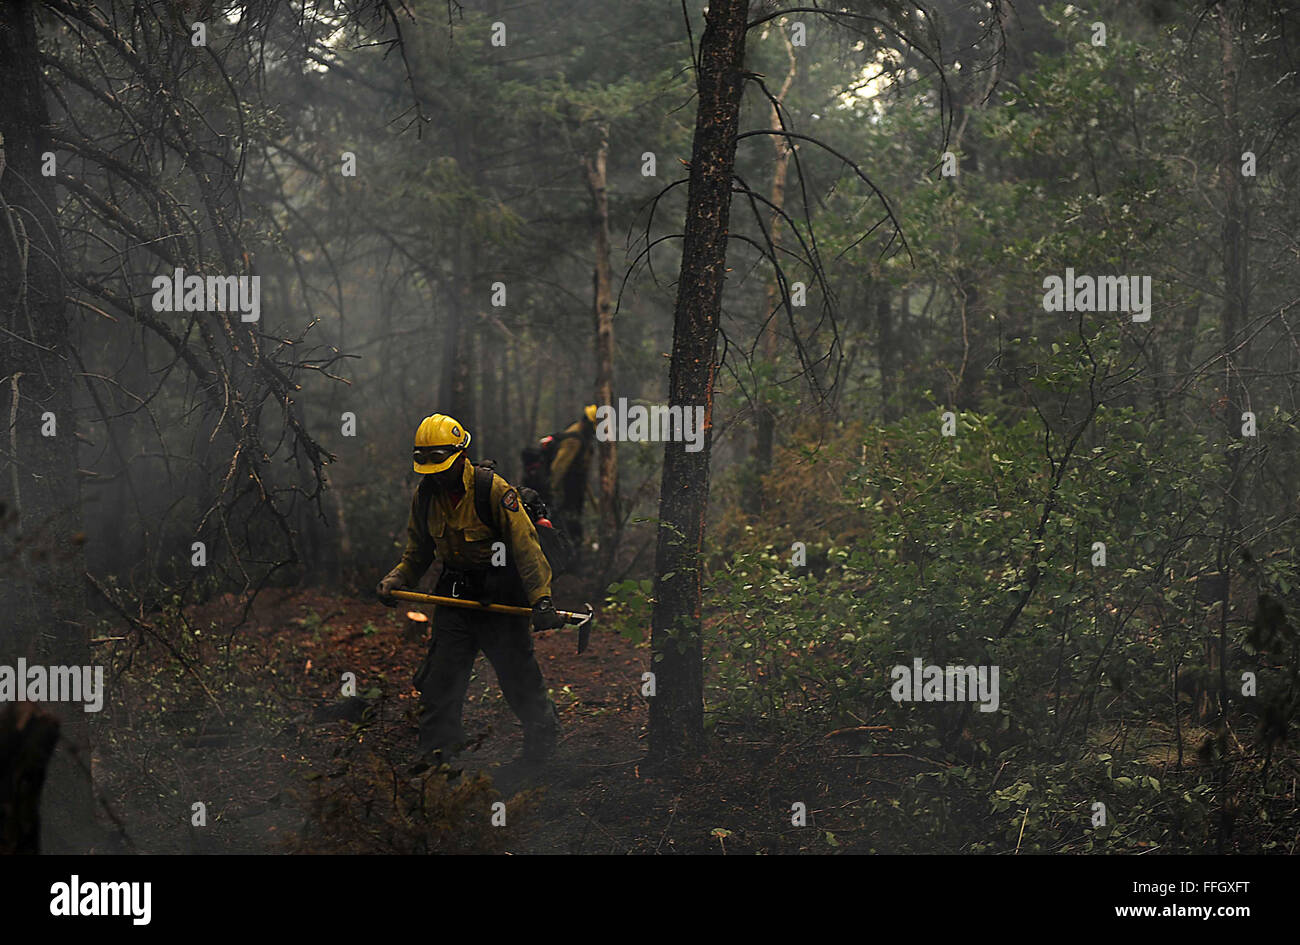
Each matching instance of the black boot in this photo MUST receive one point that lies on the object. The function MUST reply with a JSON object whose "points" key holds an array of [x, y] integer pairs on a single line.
{"points": [[539, 741], [539, 748]]}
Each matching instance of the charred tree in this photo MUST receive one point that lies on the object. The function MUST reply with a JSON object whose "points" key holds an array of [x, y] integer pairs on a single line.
{"points": [[677, 710], [43, 595]]}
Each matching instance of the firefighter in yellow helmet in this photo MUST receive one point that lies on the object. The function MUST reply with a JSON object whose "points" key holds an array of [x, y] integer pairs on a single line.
{"points": [[568, 483], [449, 520]]}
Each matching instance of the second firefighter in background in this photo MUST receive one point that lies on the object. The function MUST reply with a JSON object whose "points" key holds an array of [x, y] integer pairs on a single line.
{"points": [[568, 481]]}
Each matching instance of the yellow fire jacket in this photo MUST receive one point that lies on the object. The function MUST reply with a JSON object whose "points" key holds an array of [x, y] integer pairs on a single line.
{"points": [[458, 539], [572, 457]]}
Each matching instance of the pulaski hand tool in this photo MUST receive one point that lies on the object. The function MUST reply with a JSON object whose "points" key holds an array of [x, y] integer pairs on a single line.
{"points": [[581, 621]]}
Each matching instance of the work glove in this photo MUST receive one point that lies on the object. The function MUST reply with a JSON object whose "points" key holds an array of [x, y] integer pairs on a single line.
{"points": [[393, 581], [544, 615]]}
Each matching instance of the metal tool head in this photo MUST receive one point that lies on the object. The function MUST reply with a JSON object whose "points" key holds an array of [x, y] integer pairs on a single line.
{"points": [[584, 628]]}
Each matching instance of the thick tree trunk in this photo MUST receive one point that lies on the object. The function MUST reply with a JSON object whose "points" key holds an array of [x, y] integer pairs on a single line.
{"points": [[606, 452], [42, 595], [677, 709]]}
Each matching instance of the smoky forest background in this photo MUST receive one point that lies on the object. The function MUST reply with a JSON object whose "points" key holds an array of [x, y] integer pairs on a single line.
{"points": [[829, 225]]}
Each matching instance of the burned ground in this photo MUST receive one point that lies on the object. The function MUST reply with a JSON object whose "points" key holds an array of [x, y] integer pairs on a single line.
{"points": [[268, 744]]}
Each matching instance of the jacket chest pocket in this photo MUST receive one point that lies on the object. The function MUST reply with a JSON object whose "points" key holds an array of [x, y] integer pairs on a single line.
{"points": [[442, 540], [478, 543]]}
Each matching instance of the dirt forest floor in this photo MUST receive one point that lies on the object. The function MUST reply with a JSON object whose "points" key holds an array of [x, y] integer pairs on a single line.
{"points": [[243, 741]]}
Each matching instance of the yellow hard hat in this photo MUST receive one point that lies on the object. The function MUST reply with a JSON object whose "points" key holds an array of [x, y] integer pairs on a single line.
{"points": [[438, 441], [590, 412]]}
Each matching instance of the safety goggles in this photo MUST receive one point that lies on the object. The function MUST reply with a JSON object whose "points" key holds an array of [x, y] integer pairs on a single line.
{"points": [[429, 455]]}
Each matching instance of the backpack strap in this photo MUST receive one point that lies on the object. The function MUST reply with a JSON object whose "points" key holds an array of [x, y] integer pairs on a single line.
{"points": [[423, 496], [483, 476]]}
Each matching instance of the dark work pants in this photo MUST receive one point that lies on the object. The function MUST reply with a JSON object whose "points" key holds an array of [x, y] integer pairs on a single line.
{"points": [[458, 636]]}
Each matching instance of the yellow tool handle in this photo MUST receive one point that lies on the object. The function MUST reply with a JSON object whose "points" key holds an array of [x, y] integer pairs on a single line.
{"points": [[418, 598]]}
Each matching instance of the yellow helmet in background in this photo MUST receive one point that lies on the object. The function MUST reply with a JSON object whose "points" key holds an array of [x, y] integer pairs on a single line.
{"points": [[590, 412], [438, 441]]}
